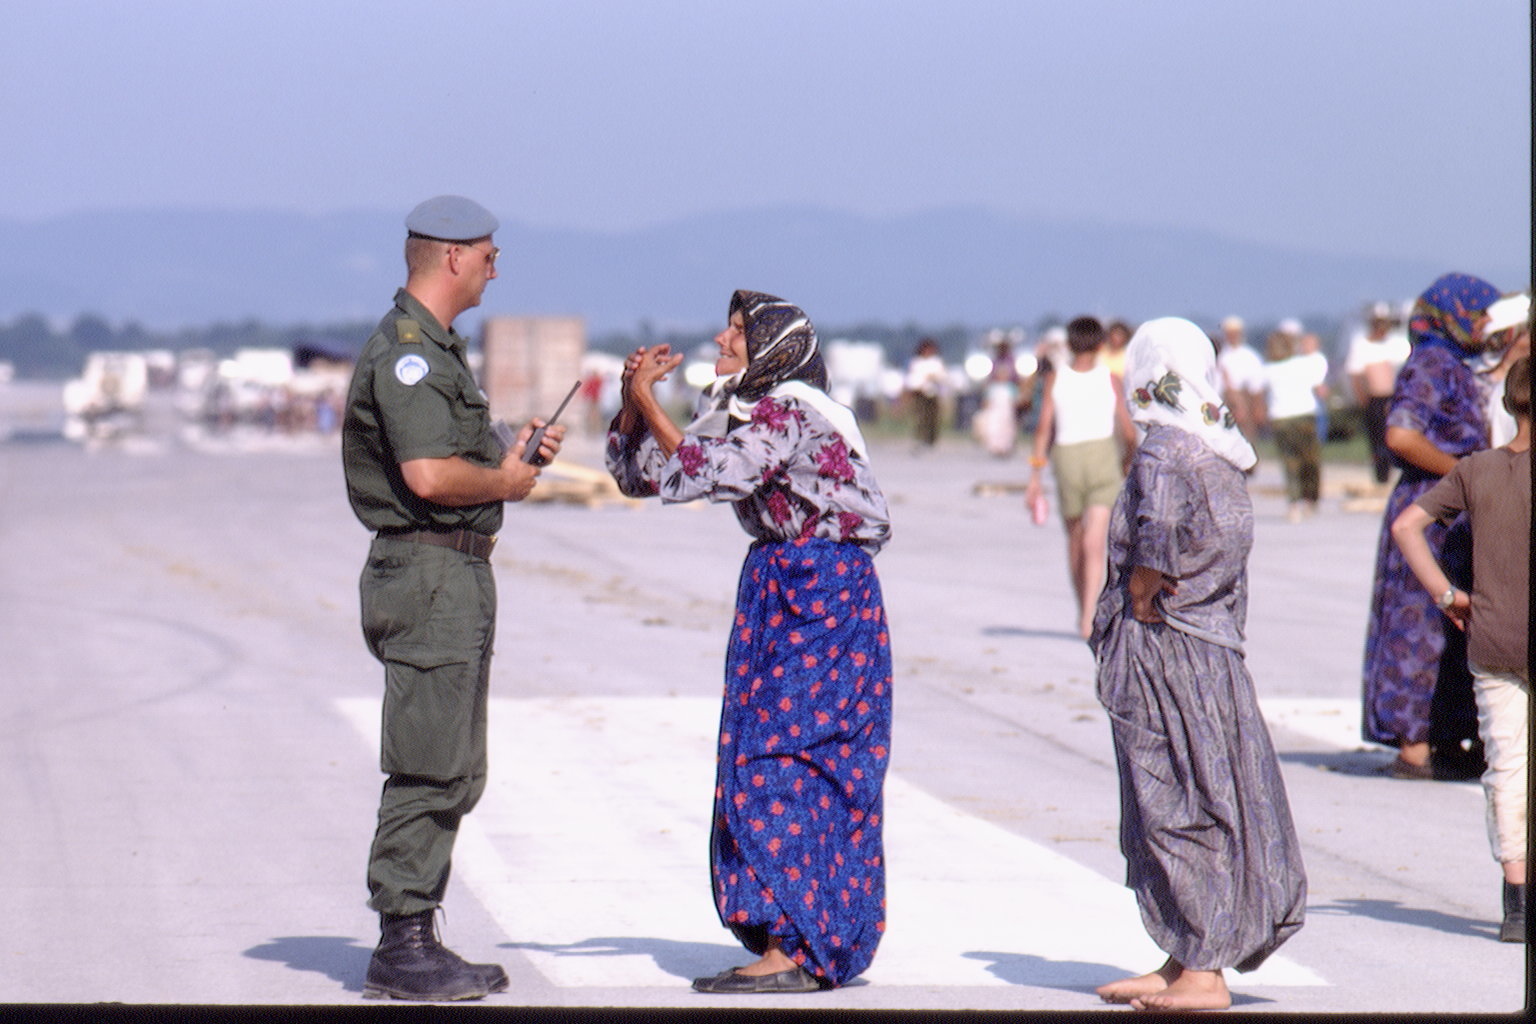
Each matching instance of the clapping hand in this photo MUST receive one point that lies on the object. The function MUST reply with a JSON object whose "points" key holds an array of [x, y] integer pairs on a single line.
{"points": [[640, 372], [645, 367]]}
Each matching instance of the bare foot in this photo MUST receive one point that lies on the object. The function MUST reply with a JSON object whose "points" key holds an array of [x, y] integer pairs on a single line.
{"points": [[1191, 990], [1127, 989]]}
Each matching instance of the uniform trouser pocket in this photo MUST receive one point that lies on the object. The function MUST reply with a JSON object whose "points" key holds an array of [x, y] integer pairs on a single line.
{"points": [[429, 616]]}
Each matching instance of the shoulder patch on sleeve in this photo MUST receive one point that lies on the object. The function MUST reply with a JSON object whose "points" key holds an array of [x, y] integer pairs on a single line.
{"points": [[410, 369], [407, 331]]}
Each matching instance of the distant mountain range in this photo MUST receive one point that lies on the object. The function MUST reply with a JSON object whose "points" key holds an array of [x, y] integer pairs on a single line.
{"points": [[170, 268]]}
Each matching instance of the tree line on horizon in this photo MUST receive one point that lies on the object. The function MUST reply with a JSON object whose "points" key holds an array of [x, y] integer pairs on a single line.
{"points": [[39, 348], [43, 349]]}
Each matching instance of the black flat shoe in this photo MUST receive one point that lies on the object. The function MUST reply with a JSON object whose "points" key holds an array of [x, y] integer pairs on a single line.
{"points": [[733, 982]]}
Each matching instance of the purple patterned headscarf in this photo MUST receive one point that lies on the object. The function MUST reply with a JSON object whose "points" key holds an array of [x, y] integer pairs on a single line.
{"points": [[1446, 313]]}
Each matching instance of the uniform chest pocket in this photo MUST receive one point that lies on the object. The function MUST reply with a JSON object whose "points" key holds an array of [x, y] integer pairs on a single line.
{"points": [[474, 424]]}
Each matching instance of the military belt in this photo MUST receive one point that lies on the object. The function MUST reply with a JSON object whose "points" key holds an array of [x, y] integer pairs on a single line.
{"points": [[467, 541]]}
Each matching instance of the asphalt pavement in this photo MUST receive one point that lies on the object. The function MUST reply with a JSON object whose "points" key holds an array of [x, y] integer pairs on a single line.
{"points": [[192, 771]]}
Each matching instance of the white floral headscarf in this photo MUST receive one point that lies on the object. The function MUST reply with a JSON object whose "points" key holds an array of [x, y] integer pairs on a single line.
{"points": [[1170, 378]]}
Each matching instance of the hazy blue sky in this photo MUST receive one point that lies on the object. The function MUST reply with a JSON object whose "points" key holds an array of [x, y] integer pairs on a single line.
{"points": [[1371, 126]]}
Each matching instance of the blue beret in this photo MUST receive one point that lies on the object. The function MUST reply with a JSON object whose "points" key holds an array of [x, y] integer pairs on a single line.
{"points": [[451, 219]]}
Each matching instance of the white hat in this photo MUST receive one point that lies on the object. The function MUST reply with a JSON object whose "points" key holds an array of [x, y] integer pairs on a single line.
{"points": [[1510, 311], [1290, 325], [1232, 323]]}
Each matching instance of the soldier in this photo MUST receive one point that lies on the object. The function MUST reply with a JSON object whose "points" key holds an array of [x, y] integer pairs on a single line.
{"points": [[426, 472]]}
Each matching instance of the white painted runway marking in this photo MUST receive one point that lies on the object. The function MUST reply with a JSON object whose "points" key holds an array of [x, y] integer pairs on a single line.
{"points": [[590, 850], [1335, 723]]}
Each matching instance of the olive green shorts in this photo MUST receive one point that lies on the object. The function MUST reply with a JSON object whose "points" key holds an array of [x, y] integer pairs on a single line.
{"points": [[1087, 474]]}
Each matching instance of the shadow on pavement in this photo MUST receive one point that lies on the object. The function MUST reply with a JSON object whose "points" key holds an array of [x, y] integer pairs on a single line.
{"points": [[1032, 634], [1359, 762], [686, 960], [1344, 762], [1041, 972], [1067, 975], [1394, 912], [341, 960]]}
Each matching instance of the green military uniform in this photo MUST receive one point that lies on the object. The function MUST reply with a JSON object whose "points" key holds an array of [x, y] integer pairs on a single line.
{"points": [[428, 595]]}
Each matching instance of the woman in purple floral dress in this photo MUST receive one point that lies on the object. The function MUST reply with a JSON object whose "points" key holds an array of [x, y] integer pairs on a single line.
{"points": [[795, 853], [1436, 417]]}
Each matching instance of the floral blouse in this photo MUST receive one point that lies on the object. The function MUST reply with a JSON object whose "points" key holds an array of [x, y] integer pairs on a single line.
{"points": [[788, 473]]}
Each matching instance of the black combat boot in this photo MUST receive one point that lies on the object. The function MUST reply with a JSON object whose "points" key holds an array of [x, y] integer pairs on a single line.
{"points": [[491, 975], [410, 963], [1513, 928]]}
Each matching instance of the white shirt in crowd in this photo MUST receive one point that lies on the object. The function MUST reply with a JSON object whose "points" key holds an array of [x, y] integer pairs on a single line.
{"points": [[1084, 405], [926, 375], [1376, 362], [1292, 385], [1241, 368]]}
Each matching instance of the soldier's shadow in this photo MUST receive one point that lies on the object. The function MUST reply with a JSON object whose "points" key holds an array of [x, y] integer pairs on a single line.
{"points": [[340, 959]]}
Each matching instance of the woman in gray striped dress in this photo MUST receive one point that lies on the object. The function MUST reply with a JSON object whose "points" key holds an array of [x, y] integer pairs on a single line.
{"points": [[1205, 826]]}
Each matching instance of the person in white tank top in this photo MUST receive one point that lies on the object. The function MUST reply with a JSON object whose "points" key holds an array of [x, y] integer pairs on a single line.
{"points": [[1084, 404], [1083, 419]]}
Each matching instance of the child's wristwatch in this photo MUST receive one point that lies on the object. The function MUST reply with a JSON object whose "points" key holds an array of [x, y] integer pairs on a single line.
{"points": [[1446, 599]]}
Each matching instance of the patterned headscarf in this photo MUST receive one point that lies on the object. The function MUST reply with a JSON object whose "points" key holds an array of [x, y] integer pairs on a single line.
{"points": [[781, 346], [1446, 313], [1170, 378], [783, 358]]}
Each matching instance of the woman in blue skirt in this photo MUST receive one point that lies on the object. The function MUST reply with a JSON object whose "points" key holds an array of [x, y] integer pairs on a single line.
{"points": [[805, 730]]}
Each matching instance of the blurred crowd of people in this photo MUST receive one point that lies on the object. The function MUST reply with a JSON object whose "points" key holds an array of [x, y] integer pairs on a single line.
{"points": [[1285, 391], [272, 408]]}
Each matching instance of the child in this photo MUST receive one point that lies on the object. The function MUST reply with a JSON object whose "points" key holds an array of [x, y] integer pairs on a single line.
{"points": [[1494, 489]]}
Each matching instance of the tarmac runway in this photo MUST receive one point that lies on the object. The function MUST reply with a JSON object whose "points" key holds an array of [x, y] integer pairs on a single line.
{"points": [[190, 749]]}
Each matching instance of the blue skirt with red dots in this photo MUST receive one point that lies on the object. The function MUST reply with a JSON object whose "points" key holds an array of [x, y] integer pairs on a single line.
{"points": [[805, 737]]}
